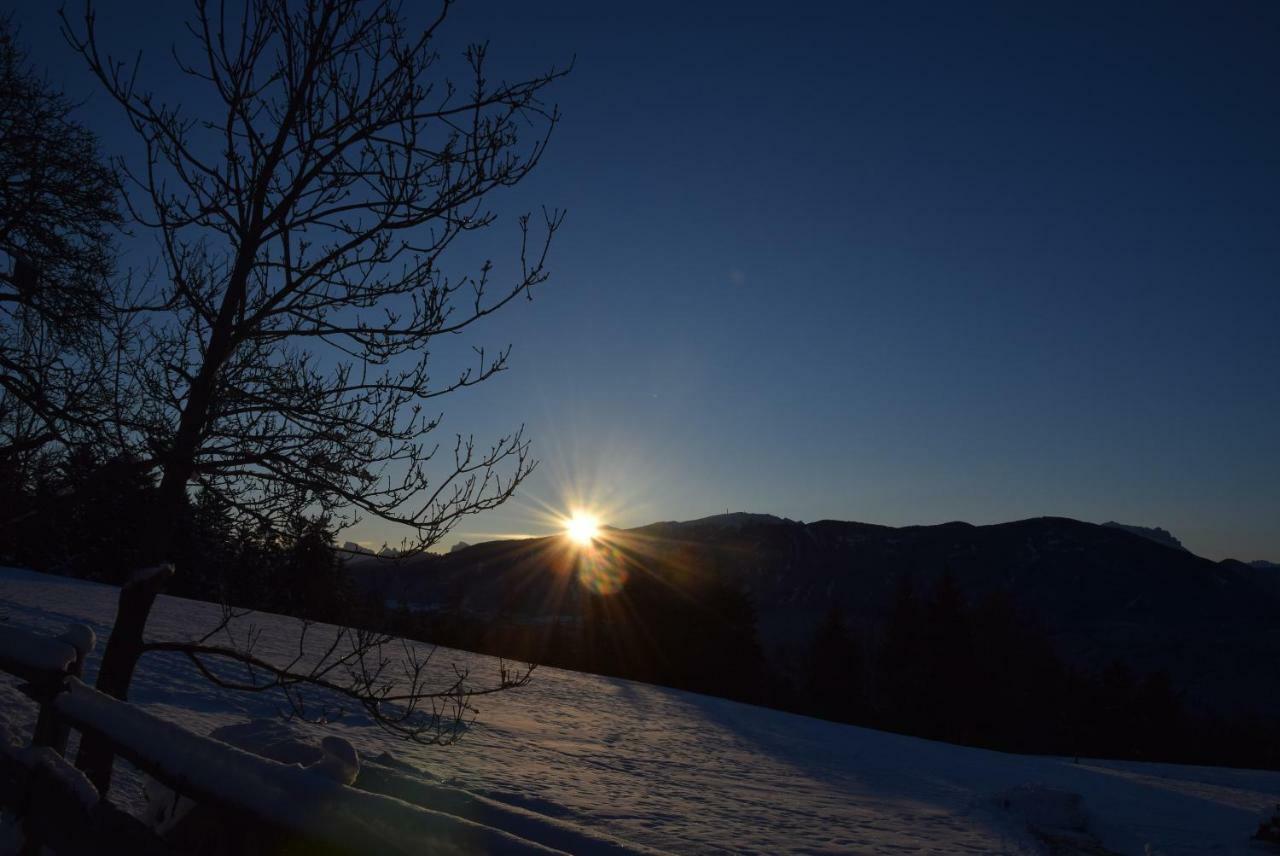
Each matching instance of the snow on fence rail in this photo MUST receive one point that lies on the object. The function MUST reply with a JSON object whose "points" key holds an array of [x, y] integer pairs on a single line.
{"points": [[60, 809], [37, 658], [269, 799]]}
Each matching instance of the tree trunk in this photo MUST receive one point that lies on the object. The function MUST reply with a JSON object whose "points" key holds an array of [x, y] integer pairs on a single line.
{"points": [[124, 647]]}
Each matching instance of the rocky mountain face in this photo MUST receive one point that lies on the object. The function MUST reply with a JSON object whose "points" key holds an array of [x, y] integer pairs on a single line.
{"points": [[1155, 533], [1101, 592]]}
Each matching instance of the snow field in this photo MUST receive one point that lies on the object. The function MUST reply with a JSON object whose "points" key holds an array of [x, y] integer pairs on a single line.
{"points": [[582, 763]]}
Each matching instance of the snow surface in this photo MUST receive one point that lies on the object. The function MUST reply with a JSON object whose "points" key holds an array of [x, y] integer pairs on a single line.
{"points": [[582, 763]]}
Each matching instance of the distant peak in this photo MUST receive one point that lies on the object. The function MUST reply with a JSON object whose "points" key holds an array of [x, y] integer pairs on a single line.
{"points": [[733, 520], [355, 549], [1151, 533]]}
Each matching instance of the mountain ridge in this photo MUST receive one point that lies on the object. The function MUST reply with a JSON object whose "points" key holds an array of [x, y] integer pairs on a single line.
{"points": [[1102, 593]]}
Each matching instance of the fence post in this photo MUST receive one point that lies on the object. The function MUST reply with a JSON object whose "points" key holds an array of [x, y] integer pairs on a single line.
{"points": [[124, 647], [51, 729]]}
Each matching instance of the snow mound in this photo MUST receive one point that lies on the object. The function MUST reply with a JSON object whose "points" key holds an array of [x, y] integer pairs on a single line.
{"points": [[280, 740], [341, 761]]}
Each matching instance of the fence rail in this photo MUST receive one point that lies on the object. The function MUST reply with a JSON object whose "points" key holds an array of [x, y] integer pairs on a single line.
{"points": [[61, 810], [245, 803]]}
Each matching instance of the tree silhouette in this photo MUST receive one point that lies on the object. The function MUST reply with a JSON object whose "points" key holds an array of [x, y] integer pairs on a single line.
{"points": [[57, 216], [286, 360], [901, 660], [833, 674]]}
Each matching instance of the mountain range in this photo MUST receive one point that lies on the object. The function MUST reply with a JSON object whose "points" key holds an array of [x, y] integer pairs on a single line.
{"points": [[1101, 592]]}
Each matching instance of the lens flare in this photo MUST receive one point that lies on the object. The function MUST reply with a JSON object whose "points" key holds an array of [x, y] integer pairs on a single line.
{"points": [[602, 569]]}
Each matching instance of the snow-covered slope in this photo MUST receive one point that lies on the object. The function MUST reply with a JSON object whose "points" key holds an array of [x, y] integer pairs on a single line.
{"points": [[584, 763]]}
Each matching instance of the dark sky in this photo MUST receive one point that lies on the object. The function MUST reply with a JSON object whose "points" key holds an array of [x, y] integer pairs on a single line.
{"points": [[894, 262]]}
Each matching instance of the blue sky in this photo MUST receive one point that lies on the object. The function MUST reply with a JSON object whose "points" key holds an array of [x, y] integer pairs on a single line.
{"points": [[900, 263]]}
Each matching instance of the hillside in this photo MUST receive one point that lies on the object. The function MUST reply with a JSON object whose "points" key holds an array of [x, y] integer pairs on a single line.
{"points": [[590, 764], [1100, 592]]}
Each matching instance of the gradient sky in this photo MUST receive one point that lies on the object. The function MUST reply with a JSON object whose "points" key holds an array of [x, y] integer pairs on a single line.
{"points": [[899, 263]]}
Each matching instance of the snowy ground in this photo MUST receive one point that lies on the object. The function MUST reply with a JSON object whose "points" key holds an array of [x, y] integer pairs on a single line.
{"points": [[631, 766]]}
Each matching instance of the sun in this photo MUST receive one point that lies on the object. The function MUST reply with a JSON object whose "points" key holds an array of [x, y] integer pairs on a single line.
{"points": [[582, 528]]}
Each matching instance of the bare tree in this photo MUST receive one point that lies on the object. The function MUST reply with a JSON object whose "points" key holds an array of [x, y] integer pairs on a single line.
{"points": [[58, 213], [288, 363], [285, 362]]}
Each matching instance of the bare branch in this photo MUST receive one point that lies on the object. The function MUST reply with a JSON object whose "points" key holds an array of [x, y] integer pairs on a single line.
{"points": [[303, 226], [398, 691]]}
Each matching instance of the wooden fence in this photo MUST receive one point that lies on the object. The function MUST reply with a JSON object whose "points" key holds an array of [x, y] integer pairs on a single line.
{"points": [[57, 805], [245, 803]]}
